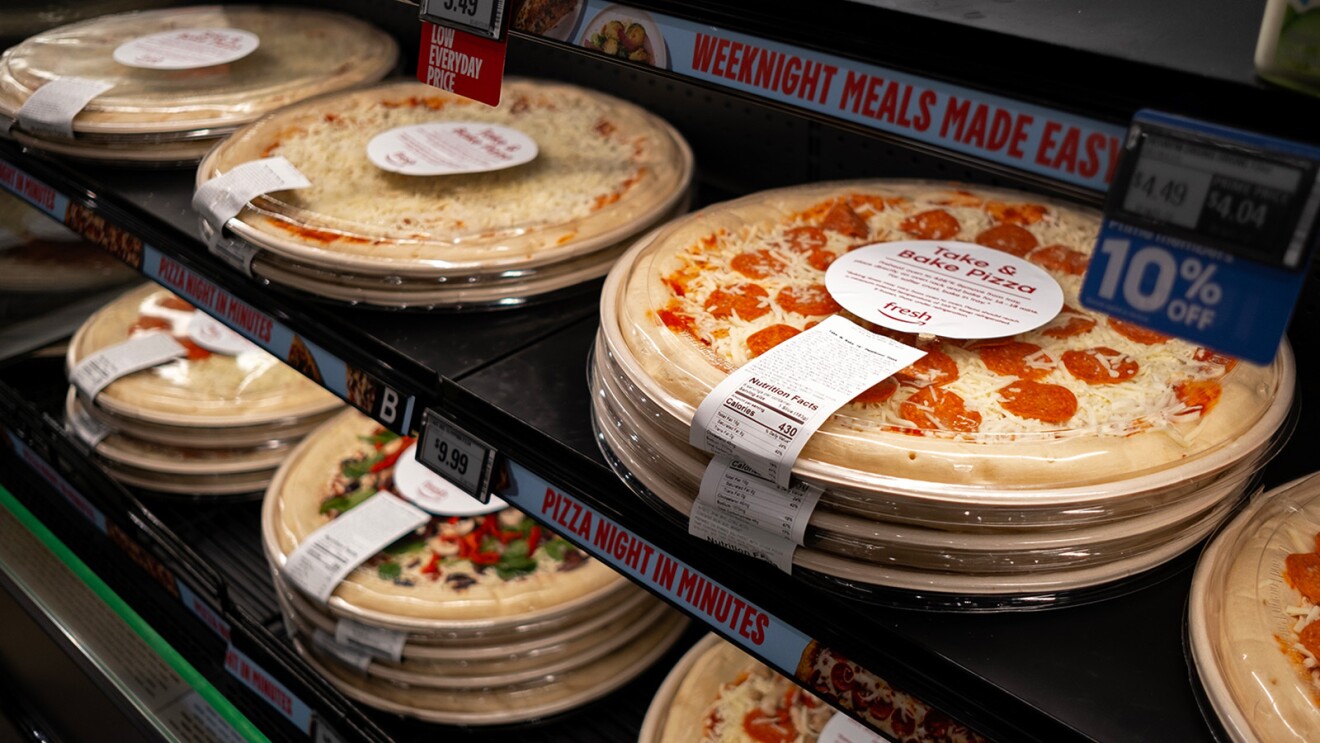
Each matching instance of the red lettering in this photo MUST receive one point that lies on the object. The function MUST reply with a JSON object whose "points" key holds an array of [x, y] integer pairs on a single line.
{"points": [[853, 87], [888, 103], [689, 585], [584, 529], [721, 57], [758, 634], [1068, 150], [830, 72], [606, 533], [1047, 143], [1019, 136], [765, 71], [1113, 159], [924, 101], [903, 119], [976, 130], [665, 572], [550, 501], [1001, 126], [792, 76], [873, 97], [750, 56], [702, 52], [810, 79], [1091, 164], [954, 114], [735, 59]]}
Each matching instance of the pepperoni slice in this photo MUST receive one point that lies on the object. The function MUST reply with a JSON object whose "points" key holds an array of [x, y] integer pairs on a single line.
{"points": [[151, 322], [1207, 356], [878, 393], [821, 259], [748, 301], [1020, 214], [175, 303], [1009, 238], [805, 239], [195, 352], [868, 204], [935, 368], [935, 224], [756, 264], [1067, 323], [1050, 403], [1060, 258], [936, 407], [841, 218], [1304, 574], [770, 727], [1199, 394], [1310, 637], [1017, 359], [767, 338], [807, 300], [1136, 333], [1100, 365], [960, 197]]}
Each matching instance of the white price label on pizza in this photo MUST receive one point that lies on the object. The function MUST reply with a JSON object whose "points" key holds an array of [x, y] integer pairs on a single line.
{"points": [[95, 372], [51, 109], [451, 147], [187, 48], [423, 487], [764, 412], [949, 289], [351, 656], [378, 641], [330, 553]]}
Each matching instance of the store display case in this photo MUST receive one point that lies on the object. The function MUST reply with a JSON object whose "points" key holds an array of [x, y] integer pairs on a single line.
{"points": [[1028, 96]]}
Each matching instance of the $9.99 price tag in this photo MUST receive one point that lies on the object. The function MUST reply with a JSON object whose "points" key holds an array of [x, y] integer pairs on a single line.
{"points": [[456, 455]]}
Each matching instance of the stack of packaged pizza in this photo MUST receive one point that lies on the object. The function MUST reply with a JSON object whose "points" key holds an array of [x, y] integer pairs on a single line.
{"points": [[717, 693], [1014, 470], [418, 198], [1252, 618], [481, 617], [161, 87], [171, 401]]}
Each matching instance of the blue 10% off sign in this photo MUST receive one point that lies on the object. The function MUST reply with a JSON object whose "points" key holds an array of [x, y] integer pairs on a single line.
{"points": [[1207, 234]]}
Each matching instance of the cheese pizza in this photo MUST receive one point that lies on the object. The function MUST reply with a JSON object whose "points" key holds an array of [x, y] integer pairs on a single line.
{"points": [[1083, 399]]}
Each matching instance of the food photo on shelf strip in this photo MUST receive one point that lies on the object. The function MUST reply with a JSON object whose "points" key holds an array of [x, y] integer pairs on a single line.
{"points": [[1069, 424], [463, 585]]}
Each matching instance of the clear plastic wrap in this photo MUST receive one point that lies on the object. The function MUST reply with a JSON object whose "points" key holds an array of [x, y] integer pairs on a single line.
{"points": [[1248, 616], [606, 169], [301, 52], [249, 390], [429, 592], [1141, 429], [502, 705]]}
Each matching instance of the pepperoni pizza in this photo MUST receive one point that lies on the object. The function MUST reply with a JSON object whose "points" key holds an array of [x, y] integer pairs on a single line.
{"points": [[1083, 398]]}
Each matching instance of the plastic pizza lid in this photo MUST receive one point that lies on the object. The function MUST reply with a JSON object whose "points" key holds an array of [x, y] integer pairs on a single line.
{"points": [[1147, 436], [165, 155], [662, 704], [1247, 621], [299, 52], [505, 705], [605, 170], [562, 581], [203, 390]]}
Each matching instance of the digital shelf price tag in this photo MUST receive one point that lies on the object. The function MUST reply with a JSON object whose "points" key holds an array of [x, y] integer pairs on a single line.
{"points": [[456, 455], [1207, 234], [480, 17]]}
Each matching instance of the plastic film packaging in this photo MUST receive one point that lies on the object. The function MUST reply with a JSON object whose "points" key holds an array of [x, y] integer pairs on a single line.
{"points": [[479, 574], [605, 170], [1248, 616], [204, 390]]}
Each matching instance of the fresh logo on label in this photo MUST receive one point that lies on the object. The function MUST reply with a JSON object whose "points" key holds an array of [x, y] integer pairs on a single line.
{"points": [[449, 148], [187, 49], [424, 488], [950, 289], [210, 334]]}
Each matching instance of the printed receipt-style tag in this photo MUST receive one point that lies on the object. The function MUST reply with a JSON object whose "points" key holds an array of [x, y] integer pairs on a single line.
{"points": [[330, 553], [221, 199], [51, 109], [88, 429], [351, 656], [765, 411], [378, 641], [747, 513], [93, 373]]}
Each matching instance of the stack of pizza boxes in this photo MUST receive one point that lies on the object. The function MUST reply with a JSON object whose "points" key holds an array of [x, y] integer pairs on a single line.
{"points": [[981, 470], [405, 196], [172, 401], [161, 87], [462, 613]]}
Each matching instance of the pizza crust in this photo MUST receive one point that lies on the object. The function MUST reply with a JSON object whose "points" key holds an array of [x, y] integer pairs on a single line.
{"points": [[674, 374]]}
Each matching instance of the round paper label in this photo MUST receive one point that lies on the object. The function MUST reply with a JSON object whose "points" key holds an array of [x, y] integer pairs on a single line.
{"points": [[843, 729], [434, 493], [187, 48], [949, 289], [208, 333], [450, 147]]}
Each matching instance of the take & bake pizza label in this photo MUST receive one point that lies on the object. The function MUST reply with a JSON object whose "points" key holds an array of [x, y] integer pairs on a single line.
{"points": [[424, 488], [187, 48], [764, 412], [949, 289], [450, 147], [330, 553]]}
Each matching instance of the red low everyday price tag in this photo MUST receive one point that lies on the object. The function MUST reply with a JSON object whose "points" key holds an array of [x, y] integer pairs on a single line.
{"points": [[461, 63]]}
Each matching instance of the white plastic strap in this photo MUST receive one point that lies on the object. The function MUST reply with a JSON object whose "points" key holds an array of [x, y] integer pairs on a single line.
{"points": [[50, 110], [93, 373], [378, 641], [221, 199], [764, 412], [358, 659], [332, 552]]}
